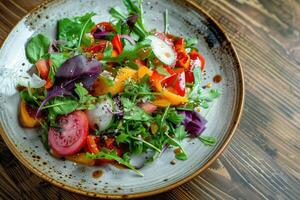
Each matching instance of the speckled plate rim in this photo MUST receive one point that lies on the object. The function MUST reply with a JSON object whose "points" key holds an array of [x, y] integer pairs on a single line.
{"points": [[226, 140]]}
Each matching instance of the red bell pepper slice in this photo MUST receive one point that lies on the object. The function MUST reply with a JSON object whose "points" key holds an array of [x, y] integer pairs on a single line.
{"points": [[189, 76], [92, 144], [180, 45], [176, 80], [117, 44], [194, 55], [97, 47]]}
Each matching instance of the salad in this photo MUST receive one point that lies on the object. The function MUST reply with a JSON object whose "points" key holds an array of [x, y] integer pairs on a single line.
{"points": [[104, 92]]}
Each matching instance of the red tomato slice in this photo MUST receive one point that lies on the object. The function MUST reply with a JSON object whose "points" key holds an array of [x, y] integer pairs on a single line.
{"points": [[42, 66], [71, 137], [91, 143], [117, 44]]}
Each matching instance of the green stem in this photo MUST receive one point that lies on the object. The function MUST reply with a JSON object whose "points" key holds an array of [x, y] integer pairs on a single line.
{"points": [[166, 21], [82, 31]]}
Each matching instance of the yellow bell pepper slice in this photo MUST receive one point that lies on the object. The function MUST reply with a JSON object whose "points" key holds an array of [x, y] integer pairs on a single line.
{"points": [[142, 71], [101, 86]]}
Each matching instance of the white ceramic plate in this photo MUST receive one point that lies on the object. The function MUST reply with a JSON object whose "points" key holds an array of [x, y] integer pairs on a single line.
{"points": [[186, 18]]}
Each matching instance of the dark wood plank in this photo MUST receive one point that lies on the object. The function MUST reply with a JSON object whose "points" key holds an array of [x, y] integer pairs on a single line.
{"points": [[263, 159]]}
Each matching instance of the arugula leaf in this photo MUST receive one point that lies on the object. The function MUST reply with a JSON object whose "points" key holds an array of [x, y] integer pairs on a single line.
{"points": [[86, 101], [174, 142], [133, 90], [129, 52], [180, 133], [191, 42], [37, 47], [123, 137], [208, 140], [133, 112], [174, 117], [73, 29], [211, 95], [112, 155]]}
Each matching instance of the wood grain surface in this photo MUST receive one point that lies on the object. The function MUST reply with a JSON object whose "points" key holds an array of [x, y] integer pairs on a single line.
{"points": [[263, 159]]}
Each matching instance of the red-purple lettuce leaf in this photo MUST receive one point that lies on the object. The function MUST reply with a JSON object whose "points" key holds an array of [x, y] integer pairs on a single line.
{"points": [[193, 122], [77, 69]]}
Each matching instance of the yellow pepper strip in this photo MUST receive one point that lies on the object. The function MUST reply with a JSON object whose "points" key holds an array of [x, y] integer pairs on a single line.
{"points": [[142, 71], [174, 99], [161, 102], [25, 119], [101, 87]]}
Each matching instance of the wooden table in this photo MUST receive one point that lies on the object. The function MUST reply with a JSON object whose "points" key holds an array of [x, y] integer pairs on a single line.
{"points": [[263, 159]]}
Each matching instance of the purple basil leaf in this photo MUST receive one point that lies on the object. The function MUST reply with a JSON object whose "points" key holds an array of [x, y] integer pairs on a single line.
{"points": [[194, 123], [77, 69], [100, 34], [131, 20]]}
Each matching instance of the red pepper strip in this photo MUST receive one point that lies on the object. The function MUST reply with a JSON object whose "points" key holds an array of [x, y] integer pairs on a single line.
{"points": [[97, 47], [195, 55], [117, 44], [189, 76], [180, 45], [91, 144], [175, 80], [183, 60]]}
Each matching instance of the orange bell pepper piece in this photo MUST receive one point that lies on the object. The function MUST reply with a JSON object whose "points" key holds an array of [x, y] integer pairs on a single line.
{"points": [[81, 159], [26, 119], [142, 71]]}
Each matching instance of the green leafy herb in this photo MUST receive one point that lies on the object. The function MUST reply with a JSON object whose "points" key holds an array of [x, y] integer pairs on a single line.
{"points": [[191, 42], [122, 138], [73, 29], [62, 105], [37, 47], [130, 52], [211, 95], [133, 112], [112, 155], [174, 117], [180, 133], [132, 8], [208, 140]]}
